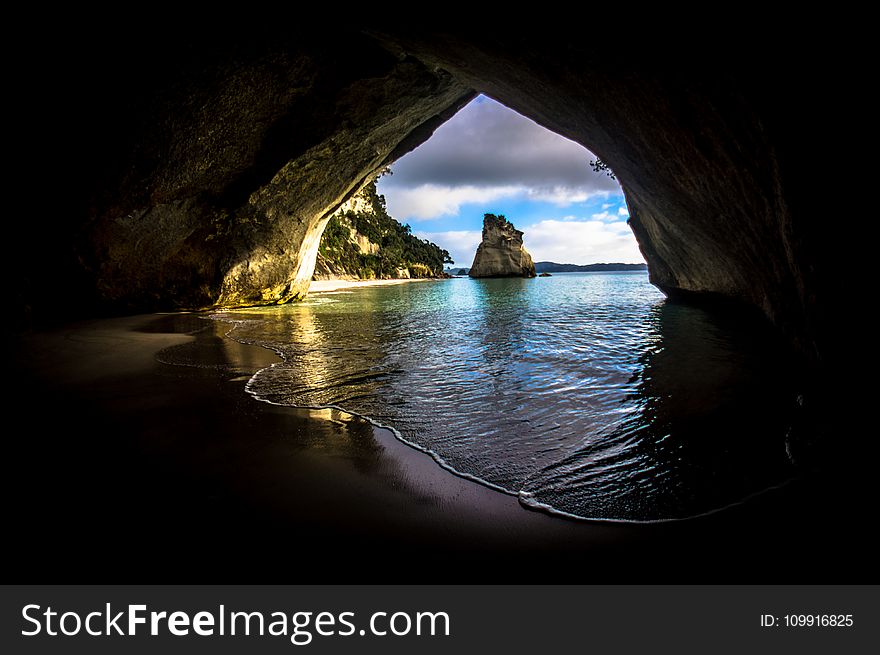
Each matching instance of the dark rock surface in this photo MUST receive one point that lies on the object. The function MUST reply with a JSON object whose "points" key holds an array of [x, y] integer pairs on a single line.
{"points": [[195, 168], [501, 252], [210, 181], [708, 140]]}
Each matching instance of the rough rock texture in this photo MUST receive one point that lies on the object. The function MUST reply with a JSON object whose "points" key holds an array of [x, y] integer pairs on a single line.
{"points": [[195, 168], [709, 142], [327, 269], [501, 252], [212, 185]]}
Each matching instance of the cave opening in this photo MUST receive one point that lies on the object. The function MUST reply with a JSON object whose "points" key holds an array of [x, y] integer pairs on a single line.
{"points": [[591, 378], [490, 159]]}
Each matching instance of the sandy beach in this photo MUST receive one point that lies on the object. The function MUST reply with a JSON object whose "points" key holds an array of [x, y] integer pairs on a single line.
{"points": [[325, 286], [145, 459]]}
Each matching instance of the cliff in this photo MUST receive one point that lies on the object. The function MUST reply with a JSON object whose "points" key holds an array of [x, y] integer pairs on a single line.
{"points": [[501, 253], [362, 241]]}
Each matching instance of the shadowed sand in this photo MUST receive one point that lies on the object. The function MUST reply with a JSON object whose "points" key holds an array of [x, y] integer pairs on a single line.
{"points": [[145, 460]]}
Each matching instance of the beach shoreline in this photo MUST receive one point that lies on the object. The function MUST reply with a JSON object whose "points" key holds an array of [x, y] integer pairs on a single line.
{"points": [[180, 474], [328, 286]]}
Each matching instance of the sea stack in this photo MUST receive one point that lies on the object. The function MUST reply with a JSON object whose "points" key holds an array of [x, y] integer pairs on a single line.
{"points": [[501, 253]]}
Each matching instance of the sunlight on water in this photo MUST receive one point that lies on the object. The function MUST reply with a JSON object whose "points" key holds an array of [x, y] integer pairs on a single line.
{"points": [[585, 394]]}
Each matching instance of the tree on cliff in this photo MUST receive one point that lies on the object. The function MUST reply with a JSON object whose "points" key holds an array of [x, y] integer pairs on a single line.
{"points": [[398, 247], [498, 219], [600, 166]]}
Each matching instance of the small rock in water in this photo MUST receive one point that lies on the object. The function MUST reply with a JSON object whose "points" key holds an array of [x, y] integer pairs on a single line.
{"points": [[501, 253]]}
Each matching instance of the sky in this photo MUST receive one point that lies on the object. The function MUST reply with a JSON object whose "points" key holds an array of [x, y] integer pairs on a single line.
{"points": [[489, 159]]}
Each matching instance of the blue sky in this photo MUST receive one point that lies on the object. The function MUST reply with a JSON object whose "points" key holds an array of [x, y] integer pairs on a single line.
{"points": [[488, 158]]}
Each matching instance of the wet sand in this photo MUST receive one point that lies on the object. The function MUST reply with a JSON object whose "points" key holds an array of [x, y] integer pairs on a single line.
{"points": [[145, 460]]}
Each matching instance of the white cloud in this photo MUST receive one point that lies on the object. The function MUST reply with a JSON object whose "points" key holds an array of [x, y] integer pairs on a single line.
{"points": [[557, 240], [605, 216], [487, 146], [622, 211], [430, 201], [582, 242], [461, 244], [562, 196]]}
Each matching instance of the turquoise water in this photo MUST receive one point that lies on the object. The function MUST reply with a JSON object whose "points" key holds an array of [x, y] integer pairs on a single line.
{"points": [[585, 394]]}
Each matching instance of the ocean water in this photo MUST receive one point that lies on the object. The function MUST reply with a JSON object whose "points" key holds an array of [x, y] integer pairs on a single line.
{"points": [[584, 394]]}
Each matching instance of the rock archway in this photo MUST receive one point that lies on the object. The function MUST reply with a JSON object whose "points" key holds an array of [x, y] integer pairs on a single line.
{"points": [[204, 170]]}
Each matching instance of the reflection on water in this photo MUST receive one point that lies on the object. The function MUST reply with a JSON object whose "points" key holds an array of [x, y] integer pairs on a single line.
{"points": [[586, 394], [210, 351]]}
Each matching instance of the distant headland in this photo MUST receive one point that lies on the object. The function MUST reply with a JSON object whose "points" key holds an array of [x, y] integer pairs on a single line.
{"points": [[553, 267]]}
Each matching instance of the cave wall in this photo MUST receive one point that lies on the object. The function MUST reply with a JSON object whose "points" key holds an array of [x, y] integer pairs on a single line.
{"points": [[200, 173], [209, 167], [709, 141]]}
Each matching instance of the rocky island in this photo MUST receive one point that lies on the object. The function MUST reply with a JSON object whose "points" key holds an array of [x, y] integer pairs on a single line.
{"points": [[501, 253]]}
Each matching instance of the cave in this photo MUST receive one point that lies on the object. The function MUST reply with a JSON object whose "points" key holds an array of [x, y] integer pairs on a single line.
{"points": [[172, 168], [200, 174]]}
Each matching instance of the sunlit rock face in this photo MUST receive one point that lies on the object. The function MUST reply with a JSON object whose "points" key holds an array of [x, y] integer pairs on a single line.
{"points": [[501, 252], [223, 194]]}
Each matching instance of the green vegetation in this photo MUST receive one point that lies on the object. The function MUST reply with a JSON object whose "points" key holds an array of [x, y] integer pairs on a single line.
{"points": [[600, 166], [553, 267], [499, 220], [398, 247]]}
